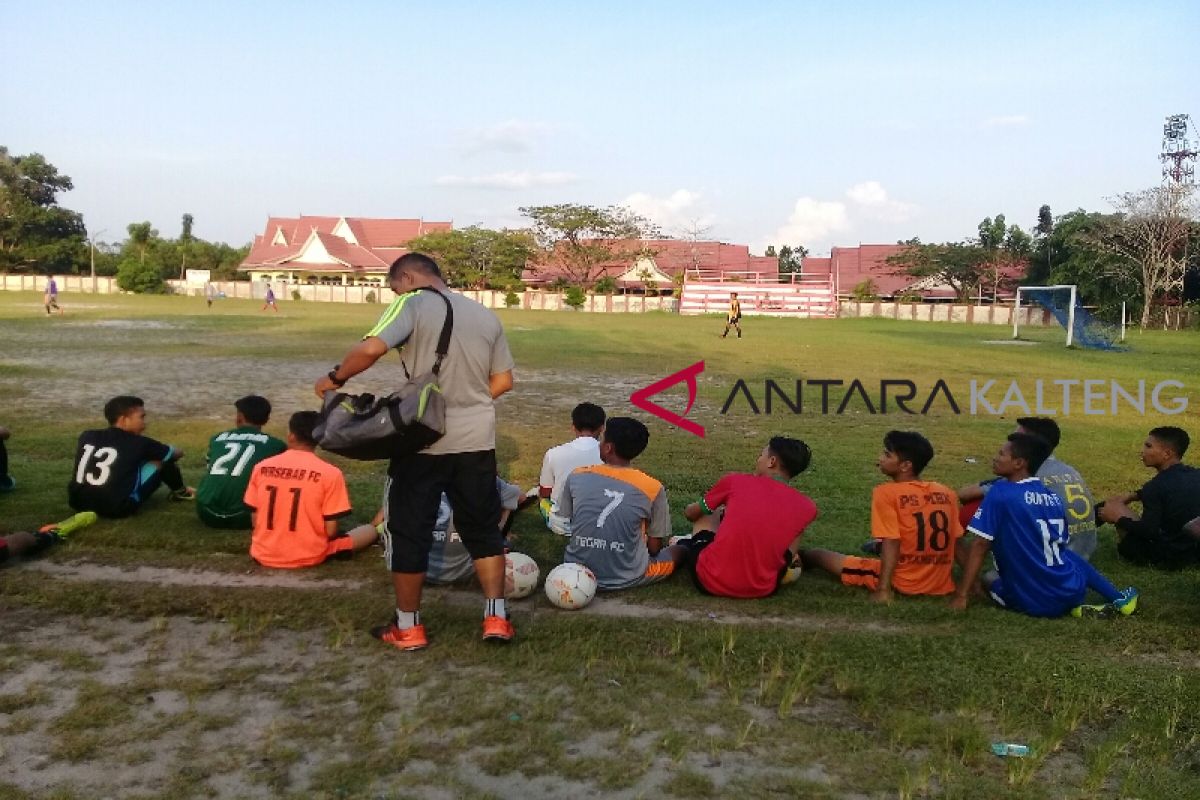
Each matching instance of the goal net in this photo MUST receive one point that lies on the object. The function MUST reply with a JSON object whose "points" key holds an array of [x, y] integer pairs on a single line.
{"points": [[1083, 329]]}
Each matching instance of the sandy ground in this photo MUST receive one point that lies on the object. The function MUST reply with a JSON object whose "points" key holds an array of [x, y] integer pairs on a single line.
{"points": [[204, 709]]}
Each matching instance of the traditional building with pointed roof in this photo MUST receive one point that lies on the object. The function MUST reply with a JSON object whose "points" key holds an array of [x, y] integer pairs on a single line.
{"points": [[332, 250]]}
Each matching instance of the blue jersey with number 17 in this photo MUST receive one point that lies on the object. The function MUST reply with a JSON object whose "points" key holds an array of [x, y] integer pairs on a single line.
{"points": [[1026, 525]]}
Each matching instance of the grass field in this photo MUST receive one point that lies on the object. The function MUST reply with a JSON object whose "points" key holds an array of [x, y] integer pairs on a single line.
{"points": [[150, 658]]}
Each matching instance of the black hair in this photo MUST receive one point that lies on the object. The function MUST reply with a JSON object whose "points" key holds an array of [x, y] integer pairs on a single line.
{"points": [[121, 405], [628, 436], [793, 454], [301, 426], [911, 447], [417, 262], [587, 417], [1175, 438], [1033, 450], [1043, 427], [256, 410]]}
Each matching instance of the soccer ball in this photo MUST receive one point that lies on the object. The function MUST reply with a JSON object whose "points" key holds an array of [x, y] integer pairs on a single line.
{"points": [[520, 576], [570, 586], [793, 572]]}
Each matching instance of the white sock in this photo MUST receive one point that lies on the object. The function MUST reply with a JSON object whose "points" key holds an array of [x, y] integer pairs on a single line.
{"points": [[495, 608], [407, 619]]}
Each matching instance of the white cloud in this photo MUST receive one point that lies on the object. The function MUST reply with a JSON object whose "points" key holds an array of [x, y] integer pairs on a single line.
{"points": [[678, 213], [819, 224], [511, 136], [873, 202], [1005, 121], [812, 222], [509, 180]]}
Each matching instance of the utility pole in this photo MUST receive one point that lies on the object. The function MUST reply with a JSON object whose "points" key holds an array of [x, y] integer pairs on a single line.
{"points": [[92, 250]]}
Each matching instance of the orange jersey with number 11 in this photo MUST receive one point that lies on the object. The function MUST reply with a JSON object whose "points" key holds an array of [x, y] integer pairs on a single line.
{"points": [[923, 515], [293, 494]]}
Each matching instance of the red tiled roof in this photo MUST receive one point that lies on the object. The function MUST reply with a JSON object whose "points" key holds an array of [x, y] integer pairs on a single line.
{"points": [[379, 241], [671, 257], [850, 266]]}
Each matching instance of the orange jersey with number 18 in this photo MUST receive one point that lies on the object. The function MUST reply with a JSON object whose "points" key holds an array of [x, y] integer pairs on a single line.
{"points": [[293, 494], [923, 515]]}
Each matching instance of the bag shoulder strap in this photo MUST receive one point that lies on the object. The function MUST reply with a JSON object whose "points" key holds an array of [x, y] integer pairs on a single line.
{"points": [[443, 345]]}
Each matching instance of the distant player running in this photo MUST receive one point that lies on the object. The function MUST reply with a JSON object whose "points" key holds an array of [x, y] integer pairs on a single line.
{"points": [[916, 521], [117, 468], [51, 296], [269, 300], [1023, 524], [297, 500], [620, 519], [734, 318], [232, 456]]}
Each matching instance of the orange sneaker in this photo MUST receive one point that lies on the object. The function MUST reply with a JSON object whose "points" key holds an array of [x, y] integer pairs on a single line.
{"points": [[408, 639], [497, 629]]}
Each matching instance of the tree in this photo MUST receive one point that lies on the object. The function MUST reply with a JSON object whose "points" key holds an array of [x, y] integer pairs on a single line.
{"points": [[140, 236], [789, 258], [1151, 230], [35, 232], [1045, 223], [185, 239], [578, 240], [770, 252], [1071, 254], [137, 276], [478, 258], [960, 265]]}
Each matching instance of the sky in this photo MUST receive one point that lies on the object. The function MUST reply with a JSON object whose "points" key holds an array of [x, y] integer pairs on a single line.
{"points": [[757, 123]]}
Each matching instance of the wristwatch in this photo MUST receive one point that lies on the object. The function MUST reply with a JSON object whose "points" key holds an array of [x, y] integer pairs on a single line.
{"points": [[332, 375]]}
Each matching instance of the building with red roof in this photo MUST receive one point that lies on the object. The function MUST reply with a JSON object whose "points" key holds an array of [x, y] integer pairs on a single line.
{"points": [[337, 250], [645, 263], [851, 267]]}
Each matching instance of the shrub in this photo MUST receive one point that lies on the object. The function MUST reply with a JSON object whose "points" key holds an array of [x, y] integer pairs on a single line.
{"points": [[574, 297], [512, 299], [370, 298], [606, 285], [295, 294], [865, 292], [134, 276]]}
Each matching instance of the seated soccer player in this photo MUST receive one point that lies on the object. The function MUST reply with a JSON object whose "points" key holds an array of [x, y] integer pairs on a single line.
{"points": [[1057, 476], [587, 423], [747, 552], [449, 561], [7, 482], [1023, 524], [232, 456], [916, 521], [620, 520], [296, 500], [117, 468], [1169, 501], [24, 544]]}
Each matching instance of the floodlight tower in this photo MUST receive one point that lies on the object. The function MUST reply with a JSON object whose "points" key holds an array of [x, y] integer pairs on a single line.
{"points": [[1179, 151]]}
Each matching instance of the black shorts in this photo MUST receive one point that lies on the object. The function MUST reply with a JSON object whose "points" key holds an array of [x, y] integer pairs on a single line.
{"points": [[414, 492], [1138, 549], [695, 545], [3, 550]]}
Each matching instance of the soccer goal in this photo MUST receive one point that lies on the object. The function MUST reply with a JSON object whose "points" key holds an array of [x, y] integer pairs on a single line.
{"points": [[1062, 300]]}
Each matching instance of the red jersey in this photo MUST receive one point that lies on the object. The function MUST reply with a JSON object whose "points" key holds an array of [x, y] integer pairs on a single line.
{"points": [[293, 494], [763, 516]]}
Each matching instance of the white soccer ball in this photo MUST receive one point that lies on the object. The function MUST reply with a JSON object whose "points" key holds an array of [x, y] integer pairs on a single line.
{"points": [[520, 576], [570, 586]]}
